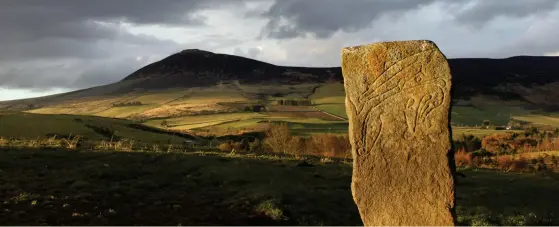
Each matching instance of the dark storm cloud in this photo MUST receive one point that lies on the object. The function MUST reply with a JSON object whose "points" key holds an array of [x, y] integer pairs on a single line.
{"points": [[36, 12], [89, 40], [322, 18], [46, 25], [35, 34]]}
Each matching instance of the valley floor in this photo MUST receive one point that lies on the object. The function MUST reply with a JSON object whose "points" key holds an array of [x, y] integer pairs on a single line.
{"points": [[61, 187]]}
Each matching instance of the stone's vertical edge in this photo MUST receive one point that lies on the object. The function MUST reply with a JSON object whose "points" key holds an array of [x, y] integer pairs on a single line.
{"points": [[450, 154], [388, 87]]}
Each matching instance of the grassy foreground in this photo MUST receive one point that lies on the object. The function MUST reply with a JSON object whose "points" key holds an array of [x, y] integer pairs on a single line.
{"points": [[61, 187]]}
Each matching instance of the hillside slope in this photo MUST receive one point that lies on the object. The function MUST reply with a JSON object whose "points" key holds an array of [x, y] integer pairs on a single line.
{"points": [[198, 68], [523, 80]]}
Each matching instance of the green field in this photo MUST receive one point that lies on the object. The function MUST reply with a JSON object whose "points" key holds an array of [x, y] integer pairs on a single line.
{"points": [[303, 127], [330, 98], [497, 115], [240, 124], [190, 122], [161, 97], [306, 129], [336, 109], [197, 96], [58, 187], [33, 126], [233, 97], [125, 111], [539, 120]]}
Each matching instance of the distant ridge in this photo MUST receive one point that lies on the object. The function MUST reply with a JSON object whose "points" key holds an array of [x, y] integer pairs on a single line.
{"points": [[195, 67]]}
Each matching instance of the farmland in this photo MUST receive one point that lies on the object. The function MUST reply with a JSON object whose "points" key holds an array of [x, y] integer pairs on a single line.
{"points": [[108, 187], [330, 98], [33, 126]]}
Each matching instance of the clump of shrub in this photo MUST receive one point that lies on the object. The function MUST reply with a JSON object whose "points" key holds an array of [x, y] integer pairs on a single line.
{"points": [[121, 104], [279, 139], [498, 143], [508, 163], [462, 157], [255, 145], [532, 140], [107, 132], [225, 147], [329, 145], [244, 145], [254, 108], [469, 143], [293, 102]]}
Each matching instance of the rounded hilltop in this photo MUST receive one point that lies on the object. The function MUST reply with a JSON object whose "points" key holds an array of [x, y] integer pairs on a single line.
{"points": [[195, 51]]}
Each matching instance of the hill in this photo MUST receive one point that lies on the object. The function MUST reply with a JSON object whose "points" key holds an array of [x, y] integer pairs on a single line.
{"points": [[196, 82], [529, 79], [198, 68]]}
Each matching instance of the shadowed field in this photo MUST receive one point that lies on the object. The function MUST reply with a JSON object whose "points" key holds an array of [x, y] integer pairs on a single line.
{"points": [[60, 187]]}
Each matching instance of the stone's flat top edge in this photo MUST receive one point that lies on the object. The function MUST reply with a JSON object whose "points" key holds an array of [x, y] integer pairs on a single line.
{"points": [[353, 48]]}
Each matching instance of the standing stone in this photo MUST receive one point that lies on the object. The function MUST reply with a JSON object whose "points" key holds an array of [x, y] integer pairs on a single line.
{"points": [[398, 103]]}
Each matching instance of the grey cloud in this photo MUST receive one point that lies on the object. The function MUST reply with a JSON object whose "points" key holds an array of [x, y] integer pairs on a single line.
{"points": [[57, 62], [539, 39], [107, 72], [484, 11], [74, 75], [86, 37], [322, 18], [83, 48], [250, 53], [135, 11], [38, 77]]}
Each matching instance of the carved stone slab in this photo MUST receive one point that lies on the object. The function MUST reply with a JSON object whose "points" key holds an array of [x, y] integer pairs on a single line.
{"points": [[398, 103]]}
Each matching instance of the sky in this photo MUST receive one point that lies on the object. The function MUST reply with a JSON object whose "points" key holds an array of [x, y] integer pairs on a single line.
{"points": [[55, 46]]}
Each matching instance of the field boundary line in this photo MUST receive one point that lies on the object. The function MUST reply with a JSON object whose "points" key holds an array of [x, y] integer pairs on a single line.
{"points": [[333, 115]]}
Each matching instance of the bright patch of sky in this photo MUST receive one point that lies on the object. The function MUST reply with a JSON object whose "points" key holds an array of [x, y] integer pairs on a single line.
{"points": [[18, 93]]}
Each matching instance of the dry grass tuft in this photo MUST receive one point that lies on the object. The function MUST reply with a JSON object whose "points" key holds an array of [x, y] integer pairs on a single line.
{"points": [[52, 142], [121, 145]]}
